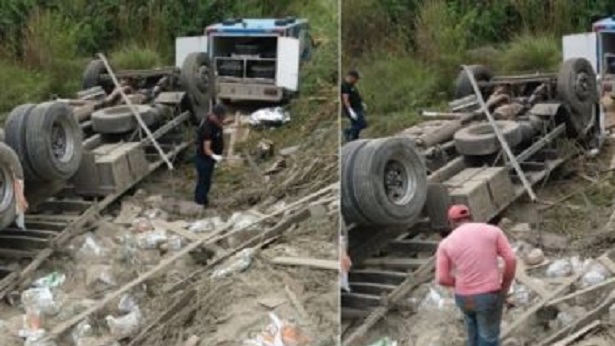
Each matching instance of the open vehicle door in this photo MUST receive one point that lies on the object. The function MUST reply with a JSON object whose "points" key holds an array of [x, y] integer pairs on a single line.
{"points": [[287, 69], [187, 45]]}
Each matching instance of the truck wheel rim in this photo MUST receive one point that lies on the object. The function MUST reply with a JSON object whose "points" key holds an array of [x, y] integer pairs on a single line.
{"points": [[6, 188], [397, 182], [202, 78], [581, 86], [62, 146]]}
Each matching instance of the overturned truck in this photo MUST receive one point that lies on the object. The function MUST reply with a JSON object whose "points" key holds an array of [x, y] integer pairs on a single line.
{"points": [[456, 157], [92, 146]]}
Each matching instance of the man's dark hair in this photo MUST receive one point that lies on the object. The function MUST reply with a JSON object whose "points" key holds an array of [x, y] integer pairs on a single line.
{"points": [[354, 73], [219, 110]]}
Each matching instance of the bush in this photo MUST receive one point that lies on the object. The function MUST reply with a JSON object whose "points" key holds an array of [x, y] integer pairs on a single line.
{"points": [[134, 57], [530, 54], [26, 86]]}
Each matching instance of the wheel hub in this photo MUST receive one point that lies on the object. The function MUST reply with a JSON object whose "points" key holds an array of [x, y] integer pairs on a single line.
{"points": [[581, 86], [61, 145], [6, 191], [202, 78], [396, 182]]}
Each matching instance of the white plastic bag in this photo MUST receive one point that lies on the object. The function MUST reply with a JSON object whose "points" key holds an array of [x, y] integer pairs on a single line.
{"points": [[81, 332], [151, 240], [385, 342], [37, 339], [40, 300], [559, 268], [91, 248], [279, 333], [274, 116], [242, 221], [124, 326], [238, 263], [52, 280], [127, 304], [207, 225], [432, 301], [521, 295]]}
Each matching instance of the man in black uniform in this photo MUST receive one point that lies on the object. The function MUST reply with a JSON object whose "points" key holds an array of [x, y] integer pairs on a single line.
{"points": [[209, 146], [353, 106]]}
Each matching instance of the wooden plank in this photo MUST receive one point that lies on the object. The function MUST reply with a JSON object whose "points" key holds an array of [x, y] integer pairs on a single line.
{"points": [[64, 205], [258, 240], [22, 242], [592, 289], [379, 276], [371, 288], [412, 281], [360, 300], [531, 283], [412, 246], [580, 333], [352, 314], [580, 322], [394, 263], [607, 262], [307, 262], [535, 307]]}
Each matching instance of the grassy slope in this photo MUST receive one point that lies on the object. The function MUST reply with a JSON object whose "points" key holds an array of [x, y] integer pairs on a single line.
{"points": [[400, 81]]}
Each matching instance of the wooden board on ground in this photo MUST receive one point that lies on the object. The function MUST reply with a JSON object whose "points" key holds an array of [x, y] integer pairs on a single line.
{"points": [[307, 262]]}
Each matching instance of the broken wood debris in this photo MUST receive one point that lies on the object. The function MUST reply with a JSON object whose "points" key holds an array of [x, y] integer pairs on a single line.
{"points": [[307, 262], [211, 239]]}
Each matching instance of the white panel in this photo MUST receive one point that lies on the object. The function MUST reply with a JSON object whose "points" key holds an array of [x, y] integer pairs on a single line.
{"points": [[287, 66], [187, 45], [581, 46]]}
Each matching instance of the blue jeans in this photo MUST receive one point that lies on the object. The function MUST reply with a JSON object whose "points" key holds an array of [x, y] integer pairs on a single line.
{"points": [[205, 171], [483, 316], [356, 126]]}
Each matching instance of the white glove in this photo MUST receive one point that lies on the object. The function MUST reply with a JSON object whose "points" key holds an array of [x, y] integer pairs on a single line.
{"points": [[353, 115], [218, 158]]}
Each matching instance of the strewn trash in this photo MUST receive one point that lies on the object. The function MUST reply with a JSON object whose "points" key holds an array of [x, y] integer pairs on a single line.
{"points": [[274, 116], [279, 333]]}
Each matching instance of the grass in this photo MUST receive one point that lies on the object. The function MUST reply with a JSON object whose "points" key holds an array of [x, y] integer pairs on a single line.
{"points": [[397, 87], [135, 57], [21, 85]]}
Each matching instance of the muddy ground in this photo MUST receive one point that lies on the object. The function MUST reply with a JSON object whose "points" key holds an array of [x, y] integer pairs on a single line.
{"points": [[571, 219], [217, 311]]}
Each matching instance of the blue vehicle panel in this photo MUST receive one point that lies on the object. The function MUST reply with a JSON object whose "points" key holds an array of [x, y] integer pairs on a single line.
{"points": [[254, 26]]}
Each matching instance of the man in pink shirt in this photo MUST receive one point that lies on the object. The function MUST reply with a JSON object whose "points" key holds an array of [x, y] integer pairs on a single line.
{"points": [[468, 261]]}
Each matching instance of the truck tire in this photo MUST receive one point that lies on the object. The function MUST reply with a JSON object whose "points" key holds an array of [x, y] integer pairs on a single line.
{"points": [[197, 79], [390, 181], [91, 75], [463, 87], [10, 168], [119, 119], [577, 86], [350, 210], [480, 139], [436, 206], [15, 137], [54, 142]]}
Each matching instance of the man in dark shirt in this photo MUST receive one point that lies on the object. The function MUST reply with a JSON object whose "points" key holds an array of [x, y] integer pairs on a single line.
{"points": [[353, 106], [209, 146]]}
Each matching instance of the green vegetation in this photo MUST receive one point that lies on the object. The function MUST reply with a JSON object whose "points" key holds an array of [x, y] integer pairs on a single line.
{"points": [[410, 51], [45, 44]]}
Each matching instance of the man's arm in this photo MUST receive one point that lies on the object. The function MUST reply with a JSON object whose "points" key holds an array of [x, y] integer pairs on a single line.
{"points": [[505, 251], [443, 269], [207, 148], [346, 100]]}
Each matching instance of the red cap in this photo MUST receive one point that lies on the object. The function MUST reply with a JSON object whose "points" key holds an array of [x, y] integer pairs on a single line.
{"points": [[458, 211]]}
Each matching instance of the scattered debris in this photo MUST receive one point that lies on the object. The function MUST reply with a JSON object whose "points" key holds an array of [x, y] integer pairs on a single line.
{"points": [[269, 117], [238, 263], [279, 333]]}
